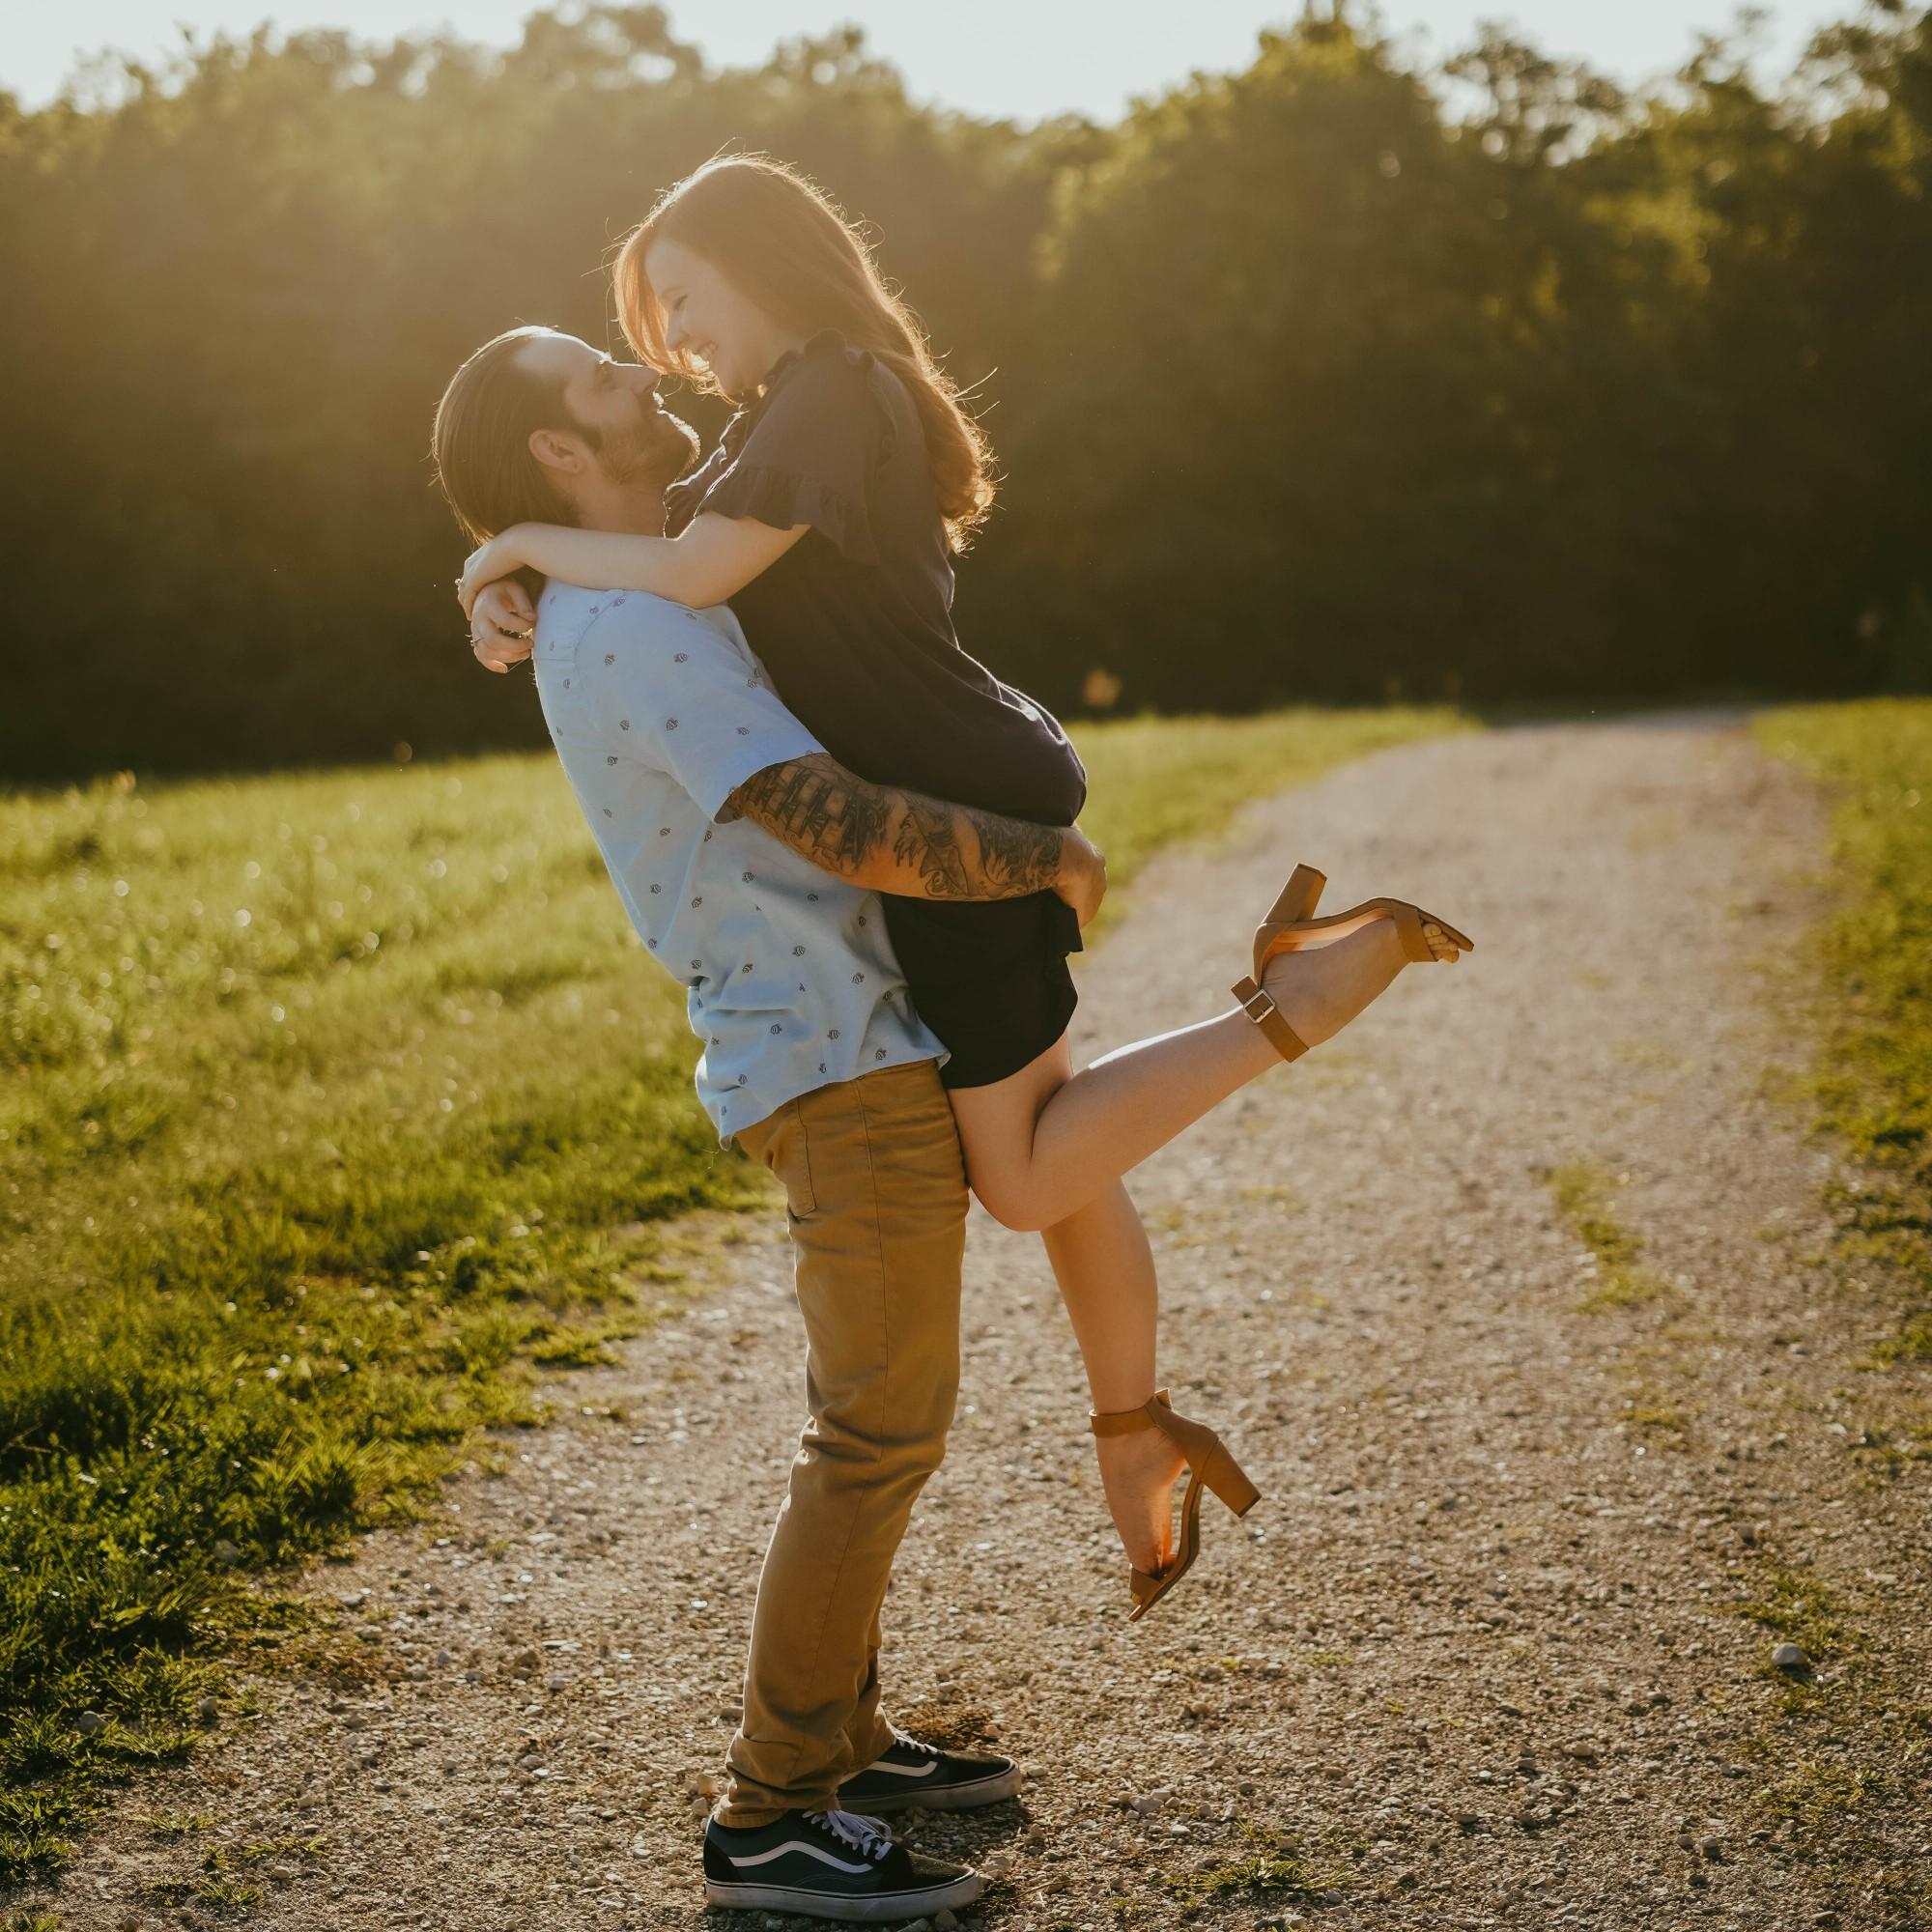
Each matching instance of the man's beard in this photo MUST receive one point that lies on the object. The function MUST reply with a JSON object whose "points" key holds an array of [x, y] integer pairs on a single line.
{"points": [[650, 452]]}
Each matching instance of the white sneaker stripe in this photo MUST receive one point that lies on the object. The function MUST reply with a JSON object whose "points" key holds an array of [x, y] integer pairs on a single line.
{"points": [[798, 1845], [905, 1770]]}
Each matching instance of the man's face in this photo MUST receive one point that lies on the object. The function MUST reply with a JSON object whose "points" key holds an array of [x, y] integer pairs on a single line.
{"points": [[614, 411]]}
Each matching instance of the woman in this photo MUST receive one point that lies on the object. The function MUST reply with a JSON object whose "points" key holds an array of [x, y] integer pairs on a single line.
{"points": [[829, 514]]}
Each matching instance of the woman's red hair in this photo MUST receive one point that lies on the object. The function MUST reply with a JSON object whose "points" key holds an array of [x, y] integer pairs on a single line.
{"points": [[783, 245]]}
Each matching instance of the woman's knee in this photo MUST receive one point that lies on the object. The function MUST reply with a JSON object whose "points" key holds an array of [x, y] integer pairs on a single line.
{"points": [[998, 1127], [1012, 1204]]}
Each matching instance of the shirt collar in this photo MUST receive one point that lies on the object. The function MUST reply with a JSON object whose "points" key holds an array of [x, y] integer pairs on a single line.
{"points": [[826, 342]]}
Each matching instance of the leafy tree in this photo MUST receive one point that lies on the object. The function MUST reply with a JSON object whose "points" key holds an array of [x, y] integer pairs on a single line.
{"points": [[1322, 379]]}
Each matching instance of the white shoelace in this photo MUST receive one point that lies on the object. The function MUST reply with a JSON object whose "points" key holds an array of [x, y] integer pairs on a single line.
{"points": [[916, 1744], [868, 1836]]}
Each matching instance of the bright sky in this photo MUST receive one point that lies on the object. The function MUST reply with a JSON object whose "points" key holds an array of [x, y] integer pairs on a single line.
{"points": [[1009, 57]]}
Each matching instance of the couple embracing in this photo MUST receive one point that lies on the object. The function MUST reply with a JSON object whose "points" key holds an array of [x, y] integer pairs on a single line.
{"points": [[856, 846]]}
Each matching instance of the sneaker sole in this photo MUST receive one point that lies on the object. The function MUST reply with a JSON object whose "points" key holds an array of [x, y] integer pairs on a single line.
{"points": [[826, 1905], [940, 1798]]}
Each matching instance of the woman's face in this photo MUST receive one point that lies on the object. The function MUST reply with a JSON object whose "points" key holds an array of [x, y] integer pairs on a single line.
{"points": [[705, 317]]}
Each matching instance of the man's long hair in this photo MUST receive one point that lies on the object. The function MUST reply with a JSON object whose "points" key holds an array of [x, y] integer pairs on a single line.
{"points": [[783, 245], [481, 441]]}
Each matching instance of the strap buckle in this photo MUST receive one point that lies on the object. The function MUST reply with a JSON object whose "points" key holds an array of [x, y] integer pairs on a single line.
{"points": [[1255, 1003]]}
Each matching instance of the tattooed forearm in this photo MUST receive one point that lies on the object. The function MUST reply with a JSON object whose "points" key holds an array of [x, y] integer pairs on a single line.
{"points": [[928, 839], [896, 840], [1015, 851], [818, 809]]}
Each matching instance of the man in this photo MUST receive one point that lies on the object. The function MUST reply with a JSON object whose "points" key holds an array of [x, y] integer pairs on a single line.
{"points": [[749, 861]]}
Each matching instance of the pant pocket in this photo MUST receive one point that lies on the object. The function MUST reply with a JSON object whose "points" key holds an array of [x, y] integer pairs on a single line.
{"points": [[791, 1159]]}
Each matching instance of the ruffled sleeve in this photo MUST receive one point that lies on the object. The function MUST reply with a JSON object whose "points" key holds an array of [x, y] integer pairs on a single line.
{"points": [[813, 448], [683, 497]]}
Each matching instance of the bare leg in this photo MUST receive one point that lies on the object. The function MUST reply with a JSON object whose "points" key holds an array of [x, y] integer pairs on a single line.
{"points": [[1037, 1153], [1105, 1269], [1046, 1149], [1106, 1273]]}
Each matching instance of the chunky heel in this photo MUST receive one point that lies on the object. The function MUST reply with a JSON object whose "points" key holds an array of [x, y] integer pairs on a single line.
{"points": [[1229, 1481], [1210, 1466], [1290, 926], [1298, 897]]}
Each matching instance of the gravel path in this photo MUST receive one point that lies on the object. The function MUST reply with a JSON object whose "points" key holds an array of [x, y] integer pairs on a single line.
{"points": [[1470, 1662]]}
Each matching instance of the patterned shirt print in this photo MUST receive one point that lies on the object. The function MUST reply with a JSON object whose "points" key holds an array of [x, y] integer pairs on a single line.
{"points": [[657, 714]]}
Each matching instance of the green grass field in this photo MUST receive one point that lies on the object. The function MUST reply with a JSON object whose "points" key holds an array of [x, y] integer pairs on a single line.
{"points": [[335, 1106], [1846, 1757], [1872, 1084]]}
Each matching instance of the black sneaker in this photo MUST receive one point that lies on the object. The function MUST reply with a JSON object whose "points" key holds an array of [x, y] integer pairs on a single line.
{"points": [[828, 1864], [911, 1773]]}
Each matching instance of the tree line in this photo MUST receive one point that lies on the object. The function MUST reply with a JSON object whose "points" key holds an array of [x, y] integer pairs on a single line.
{"points": [[1326, 380]]}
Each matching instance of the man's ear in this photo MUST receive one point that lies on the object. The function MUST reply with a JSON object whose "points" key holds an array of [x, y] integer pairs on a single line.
{"points": [[557, 451]]}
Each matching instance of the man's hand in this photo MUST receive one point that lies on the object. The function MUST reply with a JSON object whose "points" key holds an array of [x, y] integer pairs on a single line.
{"points": [[1083, 875], [502, 625]]}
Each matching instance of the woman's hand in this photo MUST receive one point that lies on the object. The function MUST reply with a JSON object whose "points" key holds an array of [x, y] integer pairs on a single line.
{"points": [[1083, 874], [502, 625], [485, 564]]}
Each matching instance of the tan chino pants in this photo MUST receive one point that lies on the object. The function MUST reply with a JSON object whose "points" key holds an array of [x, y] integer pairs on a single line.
{"points": [[875, 1191]]}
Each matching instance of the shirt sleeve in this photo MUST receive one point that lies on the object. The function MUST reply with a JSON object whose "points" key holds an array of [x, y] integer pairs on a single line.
{"points": [[672, 692], [814, 450]]}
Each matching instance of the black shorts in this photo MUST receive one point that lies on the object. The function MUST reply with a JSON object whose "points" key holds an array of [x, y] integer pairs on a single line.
{"points": [[990, 980]]}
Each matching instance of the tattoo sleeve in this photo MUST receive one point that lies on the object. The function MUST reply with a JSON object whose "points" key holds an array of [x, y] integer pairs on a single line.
{"points": [[898, 840]]}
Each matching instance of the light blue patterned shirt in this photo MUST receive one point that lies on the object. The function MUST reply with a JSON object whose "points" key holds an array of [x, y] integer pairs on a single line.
{"points": [[658, 713]]}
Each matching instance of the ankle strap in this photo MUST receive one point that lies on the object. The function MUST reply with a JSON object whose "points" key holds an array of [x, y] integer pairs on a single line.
{"points": [[1123, 1421], [1266, 1016]]}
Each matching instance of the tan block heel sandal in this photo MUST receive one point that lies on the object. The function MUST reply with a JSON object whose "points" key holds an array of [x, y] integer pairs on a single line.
{"points": [[1290, 926], [1208, 1464]]}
